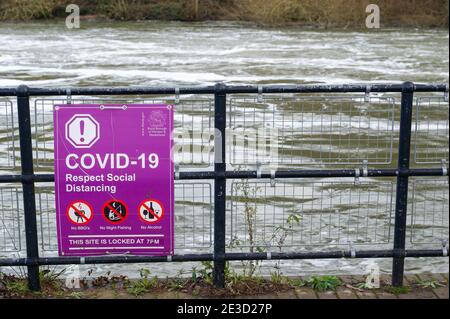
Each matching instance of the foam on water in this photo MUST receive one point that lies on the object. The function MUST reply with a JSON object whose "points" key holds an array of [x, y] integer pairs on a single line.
{"points": [[175, 53]]}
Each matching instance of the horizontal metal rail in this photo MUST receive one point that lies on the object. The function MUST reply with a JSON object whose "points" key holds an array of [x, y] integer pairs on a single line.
{"points": [[344, 88], [42, 178], [339, 254]]}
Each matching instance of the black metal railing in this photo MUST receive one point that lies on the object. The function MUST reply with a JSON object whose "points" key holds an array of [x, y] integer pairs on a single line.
{"points": [[220, 175]]}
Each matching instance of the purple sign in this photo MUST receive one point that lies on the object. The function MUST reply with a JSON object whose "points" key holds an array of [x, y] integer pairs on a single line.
{"points": [[114, 179]]}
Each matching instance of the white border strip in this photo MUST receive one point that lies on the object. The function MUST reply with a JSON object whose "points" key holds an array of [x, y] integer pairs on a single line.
{"points": [[113, 248], [112, 236]]}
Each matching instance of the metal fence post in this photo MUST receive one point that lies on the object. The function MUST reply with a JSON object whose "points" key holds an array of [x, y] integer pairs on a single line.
{"points": [[29, 203], [401, 204], [219, 184]]}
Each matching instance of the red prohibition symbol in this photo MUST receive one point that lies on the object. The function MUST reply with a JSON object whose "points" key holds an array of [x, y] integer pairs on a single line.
{"points": [[115, 211], [151, 211], [80, 212]]}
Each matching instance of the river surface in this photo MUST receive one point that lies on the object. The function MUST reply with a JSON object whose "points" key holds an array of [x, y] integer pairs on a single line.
{"points": [[341, 131]]}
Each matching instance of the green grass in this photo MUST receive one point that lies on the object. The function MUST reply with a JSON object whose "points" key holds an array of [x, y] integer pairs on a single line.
{"points": [[51, 278], [143, 285], [276, 278], [175, 284], [75, 295], [19, 287], [398, 290], [363, 285], [429, 284], [324, 283], [296, 282]]}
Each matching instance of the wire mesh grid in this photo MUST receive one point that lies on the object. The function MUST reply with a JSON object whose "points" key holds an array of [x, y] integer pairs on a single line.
{"points": [[431, 131], [429, 211], [46, 217], [8, 135], [193, 216], [193, 131], [10, 223], [311, 130], [290, 213]]}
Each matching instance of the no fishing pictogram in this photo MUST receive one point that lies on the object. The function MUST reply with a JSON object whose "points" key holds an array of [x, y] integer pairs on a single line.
{"points": [[115, 211]]}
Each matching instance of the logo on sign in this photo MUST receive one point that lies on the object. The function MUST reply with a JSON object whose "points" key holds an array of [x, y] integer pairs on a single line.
{"points": [[157, 119], [82, 131], [151, 211], [115, 211], [79, 213]]}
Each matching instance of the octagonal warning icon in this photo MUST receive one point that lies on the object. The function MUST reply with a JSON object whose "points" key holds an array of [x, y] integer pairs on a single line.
{"points": [[82, 131]]}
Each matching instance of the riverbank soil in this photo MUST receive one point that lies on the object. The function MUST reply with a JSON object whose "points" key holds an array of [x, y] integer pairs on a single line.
{"points": [[329, 13], [424, 286]]}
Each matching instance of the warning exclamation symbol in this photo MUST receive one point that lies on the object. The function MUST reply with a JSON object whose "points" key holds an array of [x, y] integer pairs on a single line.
{"points": [[81, 131]]}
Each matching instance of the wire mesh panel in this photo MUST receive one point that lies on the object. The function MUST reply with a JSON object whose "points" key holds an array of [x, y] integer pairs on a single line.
{"points": [[194, 133], [46, 217], [10, 223], [431, 133], [193, 128], [311, 130], [193, 215], [8, 135], [429, 222], [310, 213]]}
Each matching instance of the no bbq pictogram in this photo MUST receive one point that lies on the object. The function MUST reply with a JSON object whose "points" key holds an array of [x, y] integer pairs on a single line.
{"points": [[79, 212], [151, 211]]}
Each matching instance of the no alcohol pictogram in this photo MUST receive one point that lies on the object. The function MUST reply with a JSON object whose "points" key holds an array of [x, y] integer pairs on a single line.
{"points": [[115, 211], [151, 211], [79, 213]]}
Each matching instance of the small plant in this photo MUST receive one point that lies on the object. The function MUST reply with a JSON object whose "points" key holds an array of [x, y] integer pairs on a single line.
{"points": [[258, 280], [205, 274], [296, 282], [175, 284], [51, 277], [429, 284], [324, 283], [194, 275], [75, 295], [11, 285], [363, 285], [231, 277], [247, 194], [280, 235], [398, 290], [144, 285], [17, 286], [276, 278]]}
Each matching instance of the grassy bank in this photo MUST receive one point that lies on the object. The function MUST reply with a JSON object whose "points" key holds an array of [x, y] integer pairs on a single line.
{"points": [[237, 286], [325, 13]]}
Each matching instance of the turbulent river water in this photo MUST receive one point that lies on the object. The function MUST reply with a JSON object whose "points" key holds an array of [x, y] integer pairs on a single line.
{"points": [[338, 132]]}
